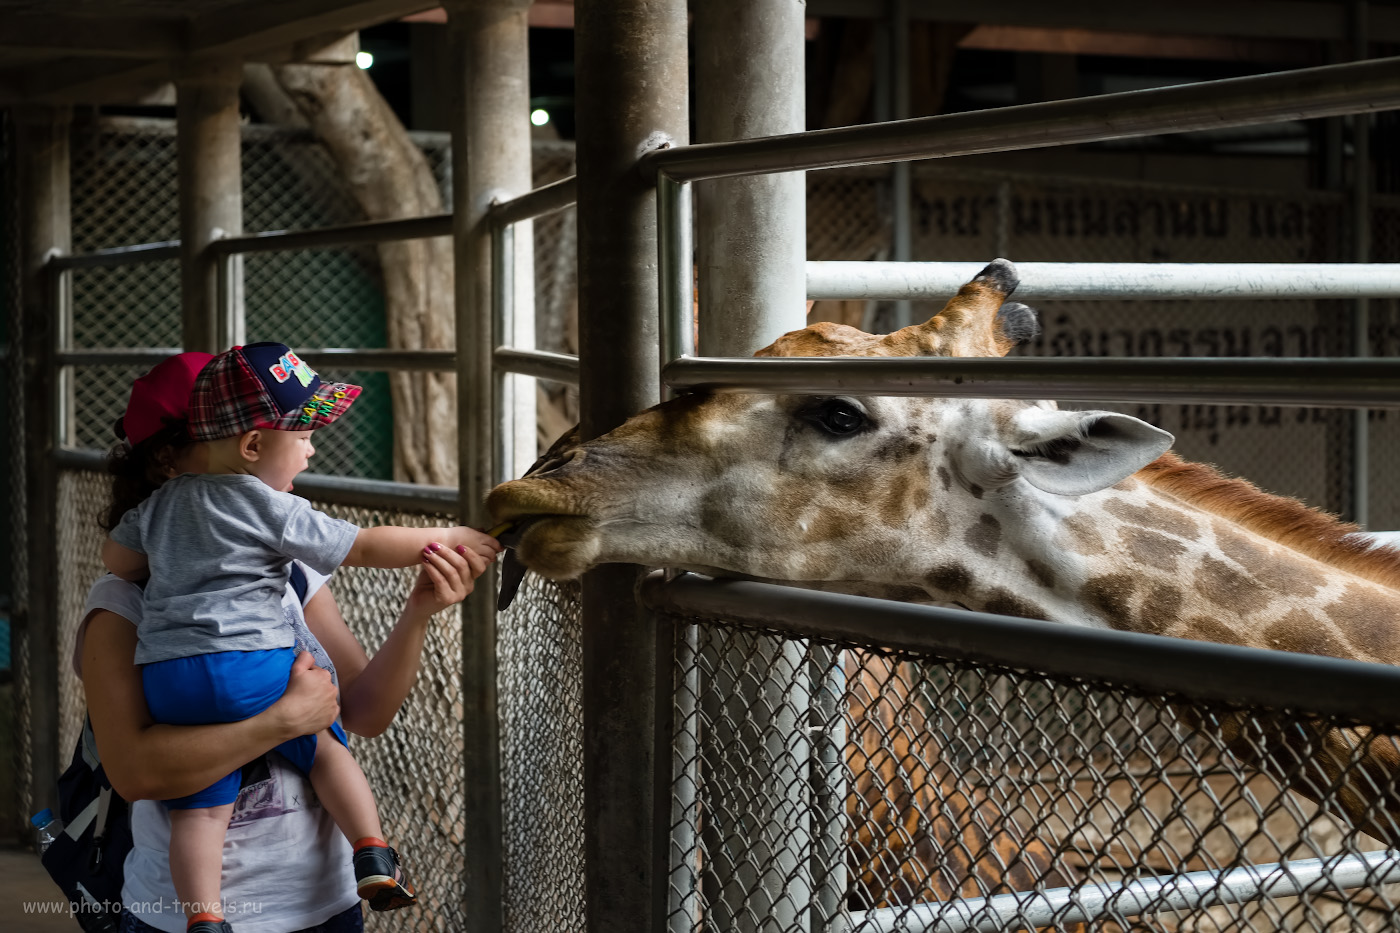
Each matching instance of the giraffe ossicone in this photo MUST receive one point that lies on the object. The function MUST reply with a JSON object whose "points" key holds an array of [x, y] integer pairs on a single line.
{"points": [[1011, 507]]}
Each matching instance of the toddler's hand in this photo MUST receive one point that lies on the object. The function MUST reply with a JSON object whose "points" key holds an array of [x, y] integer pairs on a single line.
{"points": [[473, 540]]}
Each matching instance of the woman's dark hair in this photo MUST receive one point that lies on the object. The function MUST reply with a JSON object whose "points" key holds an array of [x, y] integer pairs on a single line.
{"points": [[139, 470]]}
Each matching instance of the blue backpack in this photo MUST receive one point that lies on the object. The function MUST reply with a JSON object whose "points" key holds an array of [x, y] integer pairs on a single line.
{"points": [[88, 858]]}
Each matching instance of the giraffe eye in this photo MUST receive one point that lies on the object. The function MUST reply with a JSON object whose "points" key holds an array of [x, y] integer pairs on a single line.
{"points": [[834, 416]]}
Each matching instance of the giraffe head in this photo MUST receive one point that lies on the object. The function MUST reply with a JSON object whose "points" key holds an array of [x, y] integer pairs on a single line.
{"points": [[858, 493]]}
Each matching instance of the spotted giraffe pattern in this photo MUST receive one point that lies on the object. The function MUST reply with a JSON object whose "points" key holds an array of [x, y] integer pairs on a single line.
{"points": [[1003, 506]]}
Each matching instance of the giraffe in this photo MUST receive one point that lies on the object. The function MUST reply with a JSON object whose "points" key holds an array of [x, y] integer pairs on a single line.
{"points": [[1010, 507]]}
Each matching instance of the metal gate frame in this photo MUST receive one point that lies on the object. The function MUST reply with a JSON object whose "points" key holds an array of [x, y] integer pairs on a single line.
{"points": [[1356, 88]]}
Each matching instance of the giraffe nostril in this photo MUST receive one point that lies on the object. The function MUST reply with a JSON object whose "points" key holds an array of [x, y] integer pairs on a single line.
{"points": [[552, 463]]}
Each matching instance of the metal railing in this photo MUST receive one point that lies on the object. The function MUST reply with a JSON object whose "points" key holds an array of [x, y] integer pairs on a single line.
{"points": [[1175, 671], [1309, 93]]}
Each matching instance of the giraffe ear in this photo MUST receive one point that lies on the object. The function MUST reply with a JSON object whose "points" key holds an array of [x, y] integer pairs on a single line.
{"points": [[1074, 453]]}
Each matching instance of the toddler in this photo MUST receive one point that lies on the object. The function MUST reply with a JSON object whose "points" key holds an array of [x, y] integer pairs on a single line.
{"points": [[217, 547]]}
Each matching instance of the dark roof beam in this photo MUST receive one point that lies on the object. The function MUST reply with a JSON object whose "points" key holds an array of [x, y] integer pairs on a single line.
{"points": [[1263, 19], [57, 34], [249, 30]]}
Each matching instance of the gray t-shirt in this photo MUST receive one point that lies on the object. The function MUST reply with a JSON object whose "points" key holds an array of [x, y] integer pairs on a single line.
{"points": [[219, 546]]}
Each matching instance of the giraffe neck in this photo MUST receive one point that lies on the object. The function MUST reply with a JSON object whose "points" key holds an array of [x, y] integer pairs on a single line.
{"points": [[1139, 558]]}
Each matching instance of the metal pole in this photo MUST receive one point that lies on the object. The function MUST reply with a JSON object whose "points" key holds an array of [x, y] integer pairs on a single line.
{"points": [[1153, 664], [42, 164], [1361, 252], [1091, 281], [490, 160], [632, 96], [674, 250], [751, 238], [502, 305], [211, 197], [1308, 381], [1191, 891], [903, 171], [1305, 93]]}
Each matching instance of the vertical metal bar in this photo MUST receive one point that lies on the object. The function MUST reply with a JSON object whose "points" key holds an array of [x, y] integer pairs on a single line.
{"points": [[1361, 252], [490, 159], [59, 282], [42, 166], [503, 324], [903, 193], [209, 157], [230, 329], [632, 95], [686, 859], [674, 252], [828, 782]]}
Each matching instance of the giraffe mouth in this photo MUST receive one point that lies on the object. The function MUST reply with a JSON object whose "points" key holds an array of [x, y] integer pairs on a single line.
{"points": [[555, 545]]}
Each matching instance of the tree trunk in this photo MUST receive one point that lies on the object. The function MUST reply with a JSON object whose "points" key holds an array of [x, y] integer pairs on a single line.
{"points": [[390, 178]]}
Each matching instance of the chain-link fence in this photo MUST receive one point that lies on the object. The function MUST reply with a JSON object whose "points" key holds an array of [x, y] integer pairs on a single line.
{"points": [[415, 766], [124, 192], [927, 777], [839, 785]]}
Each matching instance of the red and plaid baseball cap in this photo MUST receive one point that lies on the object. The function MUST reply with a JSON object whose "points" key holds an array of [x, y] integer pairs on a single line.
{"points": [[263, 385], [161, 396]]}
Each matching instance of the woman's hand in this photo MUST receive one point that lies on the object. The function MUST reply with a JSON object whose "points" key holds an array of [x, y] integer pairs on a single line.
{"points": [[448, 575], [311, 701]]}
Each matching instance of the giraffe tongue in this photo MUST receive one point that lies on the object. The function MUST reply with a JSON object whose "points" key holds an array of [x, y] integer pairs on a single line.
{"points": [[512, 570]]}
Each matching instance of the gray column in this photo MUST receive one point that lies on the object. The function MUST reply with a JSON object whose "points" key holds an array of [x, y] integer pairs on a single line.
{"points": [[42, 164], [752, 235], [631, 97], [211, 197], [751, 250], [490, 159]]}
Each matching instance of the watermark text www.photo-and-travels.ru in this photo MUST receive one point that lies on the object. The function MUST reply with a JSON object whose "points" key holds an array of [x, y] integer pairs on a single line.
{"points": [[62, 907]]}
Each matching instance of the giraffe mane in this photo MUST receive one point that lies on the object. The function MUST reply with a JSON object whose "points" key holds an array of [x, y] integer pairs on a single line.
{"points": [[1284, 520]]}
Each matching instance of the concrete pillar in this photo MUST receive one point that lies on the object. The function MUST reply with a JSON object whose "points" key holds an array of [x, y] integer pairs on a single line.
{"points": [[490, 98], [211, 197], [751, 247], [751, 241], [631, 97], [42, 165]]}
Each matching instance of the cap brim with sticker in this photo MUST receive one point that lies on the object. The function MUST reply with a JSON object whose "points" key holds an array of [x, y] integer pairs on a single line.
{"points": [[326, 404]]}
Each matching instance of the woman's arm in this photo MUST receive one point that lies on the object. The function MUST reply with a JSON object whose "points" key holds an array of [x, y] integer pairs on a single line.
{"points": [[145, 760], [373, 690]]}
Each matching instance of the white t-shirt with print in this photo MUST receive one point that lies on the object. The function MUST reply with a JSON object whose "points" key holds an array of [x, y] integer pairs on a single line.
{"points": [[286, 864]]}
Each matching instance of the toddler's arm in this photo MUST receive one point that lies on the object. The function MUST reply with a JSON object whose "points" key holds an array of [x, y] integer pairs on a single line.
{"points": [[124, 562], [396, 546]]}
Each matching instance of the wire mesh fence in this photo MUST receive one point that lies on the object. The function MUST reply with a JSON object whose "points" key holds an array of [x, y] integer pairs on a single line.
{"points": [[124, 192], [821, 784], [841, 786], [415, 766]]}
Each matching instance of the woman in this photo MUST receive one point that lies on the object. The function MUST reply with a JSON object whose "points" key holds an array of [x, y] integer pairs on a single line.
{"points": [[286, 866]]}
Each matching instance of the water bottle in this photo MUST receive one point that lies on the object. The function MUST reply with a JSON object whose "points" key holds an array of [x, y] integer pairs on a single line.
{"points": [[46, 828]]}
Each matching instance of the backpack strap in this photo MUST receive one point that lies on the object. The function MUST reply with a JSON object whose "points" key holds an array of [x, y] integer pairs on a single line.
{"points": [[297, 578]]}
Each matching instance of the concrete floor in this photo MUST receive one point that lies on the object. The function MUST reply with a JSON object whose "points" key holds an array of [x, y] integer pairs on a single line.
{"points": [[25, 890]]}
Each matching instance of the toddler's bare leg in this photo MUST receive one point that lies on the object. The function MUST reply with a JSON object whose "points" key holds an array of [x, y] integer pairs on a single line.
{"points": [[197, 857], [344, 790]]}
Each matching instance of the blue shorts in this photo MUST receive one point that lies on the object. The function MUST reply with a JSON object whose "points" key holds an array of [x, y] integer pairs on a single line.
{"points": [[227, 686]]}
